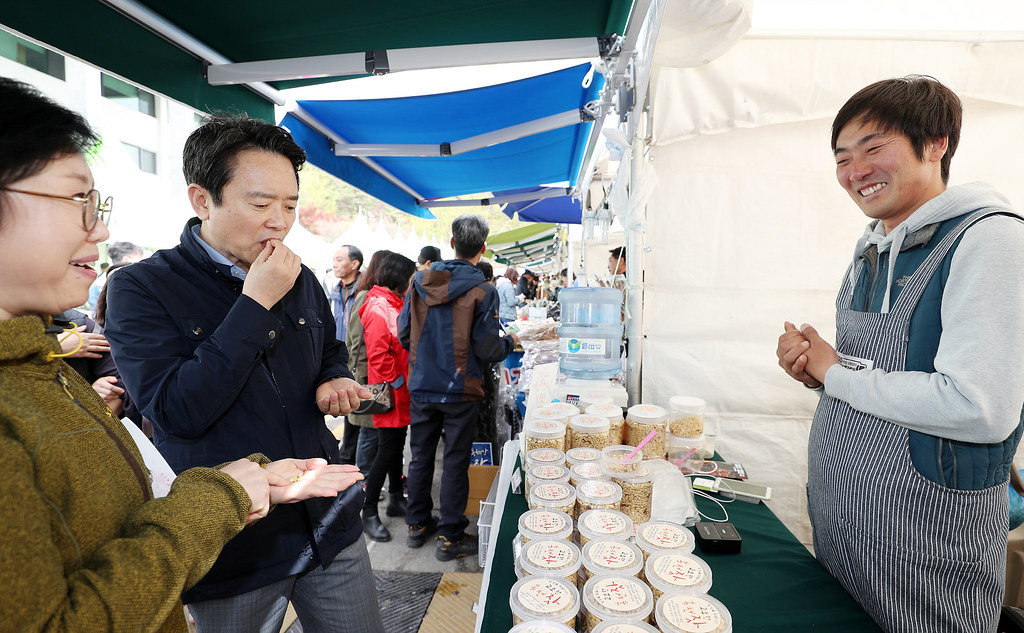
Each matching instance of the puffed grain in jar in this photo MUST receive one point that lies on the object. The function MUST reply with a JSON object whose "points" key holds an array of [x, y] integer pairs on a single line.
{"points": [[641, 420], [561, 497], [607, 556], [585, 472], [556, 411], [637, 489], [615, 597], [616, 459], [546, 475], [616, 428], [543, 433], [580, 455], [544, 598], [686, 416], [589, 431], [595, 494], [676, 611], [549, 557], [603, 525], [543, 523], [545, 456], [663, 536], [671, 572]]}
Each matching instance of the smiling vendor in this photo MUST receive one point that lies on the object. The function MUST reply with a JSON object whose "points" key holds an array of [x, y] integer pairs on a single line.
{"points": [[925, 377]]}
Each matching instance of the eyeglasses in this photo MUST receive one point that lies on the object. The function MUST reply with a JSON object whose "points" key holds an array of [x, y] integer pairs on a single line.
{"points": [[93, 210]]}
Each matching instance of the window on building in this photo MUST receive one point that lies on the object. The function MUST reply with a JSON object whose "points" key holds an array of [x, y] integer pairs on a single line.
{"points": [[31, 55], [143, 158], [128, 95]]}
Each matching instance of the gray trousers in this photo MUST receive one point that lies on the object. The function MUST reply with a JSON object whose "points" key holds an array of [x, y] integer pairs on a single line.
{"points": [[339, 599]]}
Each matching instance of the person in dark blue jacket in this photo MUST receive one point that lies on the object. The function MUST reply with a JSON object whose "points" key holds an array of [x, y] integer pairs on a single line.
{"points": [[226, 342], [449, 324]]}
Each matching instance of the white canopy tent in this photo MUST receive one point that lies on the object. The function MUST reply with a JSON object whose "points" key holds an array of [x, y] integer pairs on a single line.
{"points": [[735, 202]]}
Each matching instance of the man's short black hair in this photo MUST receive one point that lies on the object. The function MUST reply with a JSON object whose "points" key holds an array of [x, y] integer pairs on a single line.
{"points": [[917, 105], [208, 159], [429, 254], [619, 252], [486, 269]]}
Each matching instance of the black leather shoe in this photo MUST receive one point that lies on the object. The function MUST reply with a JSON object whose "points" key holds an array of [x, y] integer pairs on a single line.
{"points": [[374, 529], [397, 505]]}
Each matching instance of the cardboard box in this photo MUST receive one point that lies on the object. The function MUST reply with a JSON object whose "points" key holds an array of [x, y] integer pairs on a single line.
{"points": [[480, 480]]}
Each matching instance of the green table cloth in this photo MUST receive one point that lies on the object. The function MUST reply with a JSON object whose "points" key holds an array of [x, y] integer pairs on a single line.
{"points": [[773, 585]]}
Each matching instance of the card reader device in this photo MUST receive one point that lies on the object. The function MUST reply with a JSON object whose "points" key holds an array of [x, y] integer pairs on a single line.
{"points": [[718, 538]]}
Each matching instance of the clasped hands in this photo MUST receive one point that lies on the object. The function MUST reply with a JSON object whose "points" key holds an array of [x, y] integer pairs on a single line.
{"points": [[289, 481], [804, 355]]}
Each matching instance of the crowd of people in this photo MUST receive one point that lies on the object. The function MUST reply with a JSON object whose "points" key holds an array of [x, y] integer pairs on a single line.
{"points": [[231, 353]]}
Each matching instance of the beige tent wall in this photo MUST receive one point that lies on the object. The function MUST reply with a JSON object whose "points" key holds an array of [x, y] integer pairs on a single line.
{"points": [[748, 228]]}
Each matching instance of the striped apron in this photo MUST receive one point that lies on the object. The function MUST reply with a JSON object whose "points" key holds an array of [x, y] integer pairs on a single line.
{"points": [[919, 557]]}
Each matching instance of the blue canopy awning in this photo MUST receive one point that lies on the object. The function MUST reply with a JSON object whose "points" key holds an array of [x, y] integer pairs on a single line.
{"points": [[557, 210], [442, 121]]}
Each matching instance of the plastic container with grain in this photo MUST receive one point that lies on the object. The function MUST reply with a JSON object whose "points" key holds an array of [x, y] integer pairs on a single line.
{"points": [[544, 598], [589, 431], [641, 419], [561, 497], [615, 597], [545, 474], [603, 525], [690, 612], [637, 490], [595, 494], [671, 572], [550, 557], [607, 556], [543, 523]]}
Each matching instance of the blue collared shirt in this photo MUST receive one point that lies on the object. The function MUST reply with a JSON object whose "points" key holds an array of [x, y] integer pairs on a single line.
{"points": [[216, 256]]}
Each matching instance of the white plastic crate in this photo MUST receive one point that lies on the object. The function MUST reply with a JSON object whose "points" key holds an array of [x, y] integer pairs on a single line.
{"points": [[485, 522]]}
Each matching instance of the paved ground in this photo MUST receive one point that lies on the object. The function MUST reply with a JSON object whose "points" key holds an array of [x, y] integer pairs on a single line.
{"points": [[395, 555]]}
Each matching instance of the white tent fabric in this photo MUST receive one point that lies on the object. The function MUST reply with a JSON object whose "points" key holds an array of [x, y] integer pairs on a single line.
{"points": [[748, 228]]}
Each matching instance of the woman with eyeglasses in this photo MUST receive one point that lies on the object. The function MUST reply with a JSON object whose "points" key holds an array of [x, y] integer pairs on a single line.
{"points": [[84, 544]]}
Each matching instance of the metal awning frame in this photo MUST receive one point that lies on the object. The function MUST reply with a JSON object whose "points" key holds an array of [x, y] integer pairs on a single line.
{"points": [[551, 192], [380, 62], [478, 141]]}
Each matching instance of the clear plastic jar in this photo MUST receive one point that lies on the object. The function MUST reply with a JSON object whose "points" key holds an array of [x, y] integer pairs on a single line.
{"points": [[686, 453], [567, 410], [616, 460], [630, 626], [595, 494], [544, 524], [671, 572], [641, 419], [675, 611], [617, 425], [551, 558], [663, 536], [686, 416], [637, 490], [575, 456], [589, 431], [615, 597], [546, 475], [603, 525], [606, 556], [543, 433], [586, 472], [549, 412], [545, 626], [561, 497], [544, 598], [546, 456]]}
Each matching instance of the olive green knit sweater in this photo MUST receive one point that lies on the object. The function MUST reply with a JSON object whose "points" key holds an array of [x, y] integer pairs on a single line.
{"points": [[83, 545]]}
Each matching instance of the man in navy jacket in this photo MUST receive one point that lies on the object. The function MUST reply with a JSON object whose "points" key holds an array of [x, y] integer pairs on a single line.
{"points": [[226, 342], [449, 324]]}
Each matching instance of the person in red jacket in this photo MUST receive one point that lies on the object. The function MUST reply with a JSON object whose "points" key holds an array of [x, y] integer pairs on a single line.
{"points": [[386, 361]]}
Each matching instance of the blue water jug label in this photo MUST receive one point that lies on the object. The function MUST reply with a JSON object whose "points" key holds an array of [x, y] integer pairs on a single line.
{"points": [[582, 346]]}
